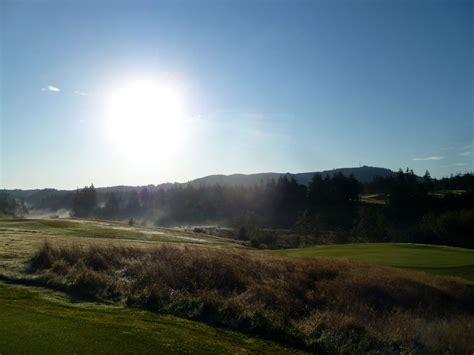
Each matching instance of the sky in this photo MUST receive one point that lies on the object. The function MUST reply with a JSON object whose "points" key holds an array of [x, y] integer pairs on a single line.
{"points": [[255, 86]]}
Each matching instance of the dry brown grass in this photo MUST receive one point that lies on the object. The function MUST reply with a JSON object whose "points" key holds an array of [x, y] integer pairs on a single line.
{"points": [[321, 305]]}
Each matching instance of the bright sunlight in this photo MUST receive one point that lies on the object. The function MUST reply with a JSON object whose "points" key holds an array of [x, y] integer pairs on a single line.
{"points": [[144, 119]]}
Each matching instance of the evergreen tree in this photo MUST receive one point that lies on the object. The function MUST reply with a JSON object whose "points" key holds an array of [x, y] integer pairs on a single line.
{"points": [[133, 204], [85, 202], [111, 208]]}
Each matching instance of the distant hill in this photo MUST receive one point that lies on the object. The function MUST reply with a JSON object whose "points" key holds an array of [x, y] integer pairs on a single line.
{"points": [[363, 174], [37, 197], [235, 179]]}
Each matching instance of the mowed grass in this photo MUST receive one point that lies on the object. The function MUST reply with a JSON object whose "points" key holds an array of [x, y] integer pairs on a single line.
{"points": [[435, 259], [378, 199], [104, 230], [39, 321]]}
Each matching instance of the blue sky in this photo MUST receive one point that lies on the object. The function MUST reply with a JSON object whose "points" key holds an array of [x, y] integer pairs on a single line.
{"points": [[265, 85]]}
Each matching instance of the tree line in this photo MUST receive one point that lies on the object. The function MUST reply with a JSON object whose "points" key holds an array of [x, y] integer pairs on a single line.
{"points": [[273, 204], [327, 210], [10, 206]]}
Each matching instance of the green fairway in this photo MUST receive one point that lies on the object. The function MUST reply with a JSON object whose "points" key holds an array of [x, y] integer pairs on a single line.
{"points": [[39, 321], [430, 258]]}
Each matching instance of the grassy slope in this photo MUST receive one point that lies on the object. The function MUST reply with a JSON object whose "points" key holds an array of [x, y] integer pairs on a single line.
{"points": [[35, 322], [55, 325], [39, 321], [105, 229], [19, 238], [430, 258]]}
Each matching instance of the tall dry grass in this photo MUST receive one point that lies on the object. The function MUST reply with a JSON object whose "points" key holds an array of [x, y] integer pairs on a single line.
{"points": [[321, 305]]}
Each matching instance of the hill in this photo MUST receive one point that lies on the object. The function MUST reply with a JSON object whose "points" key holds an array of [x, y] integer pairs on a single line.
{"points": [[363, 174]]}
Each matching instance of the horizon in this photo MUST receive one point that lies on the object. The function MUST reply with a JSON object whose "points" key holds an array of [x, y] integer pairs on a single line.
{"points": [[139, 93], [184, 182], [210, 175]]}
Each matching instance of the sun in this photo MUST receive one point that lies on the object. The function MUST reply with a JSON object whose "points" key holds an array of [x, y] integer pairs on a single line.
{"points": [[145, 119]]}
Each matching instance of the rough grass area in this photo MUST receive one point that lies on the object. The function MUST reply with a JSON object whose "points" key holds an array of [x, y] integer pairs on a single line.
{"points": [[320, 305], [39, 322], [20, 238], [434, 259]]}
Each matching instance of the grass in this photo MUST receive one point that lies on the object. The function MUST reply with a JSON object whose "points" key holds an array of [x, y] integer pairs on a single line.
{"points": [[378, 199], [34, 321], [443, 260], [105, 230], [317, 304], [442, 193], [381, 199]]}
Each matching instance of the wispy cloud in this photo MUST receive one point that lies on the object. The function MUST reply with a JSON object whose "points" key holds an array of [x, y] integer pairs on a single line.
{"points": [[429, 158], [51, 88], [81, 93], [465, 154]]}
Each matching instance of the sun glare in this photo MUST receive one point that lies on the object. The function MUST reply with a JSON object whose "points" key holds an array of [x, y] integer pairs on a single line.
{"points": [[145, 119]]}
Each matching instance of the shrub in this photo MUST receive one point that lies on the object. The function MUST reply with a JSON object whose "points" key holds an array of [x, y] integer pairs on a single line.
{"points": [[320, 305]]}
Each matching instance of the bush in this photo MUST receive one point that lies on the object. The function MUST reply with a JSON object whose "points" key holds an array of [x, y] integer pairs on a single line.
{"points": [[319, 305]]}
